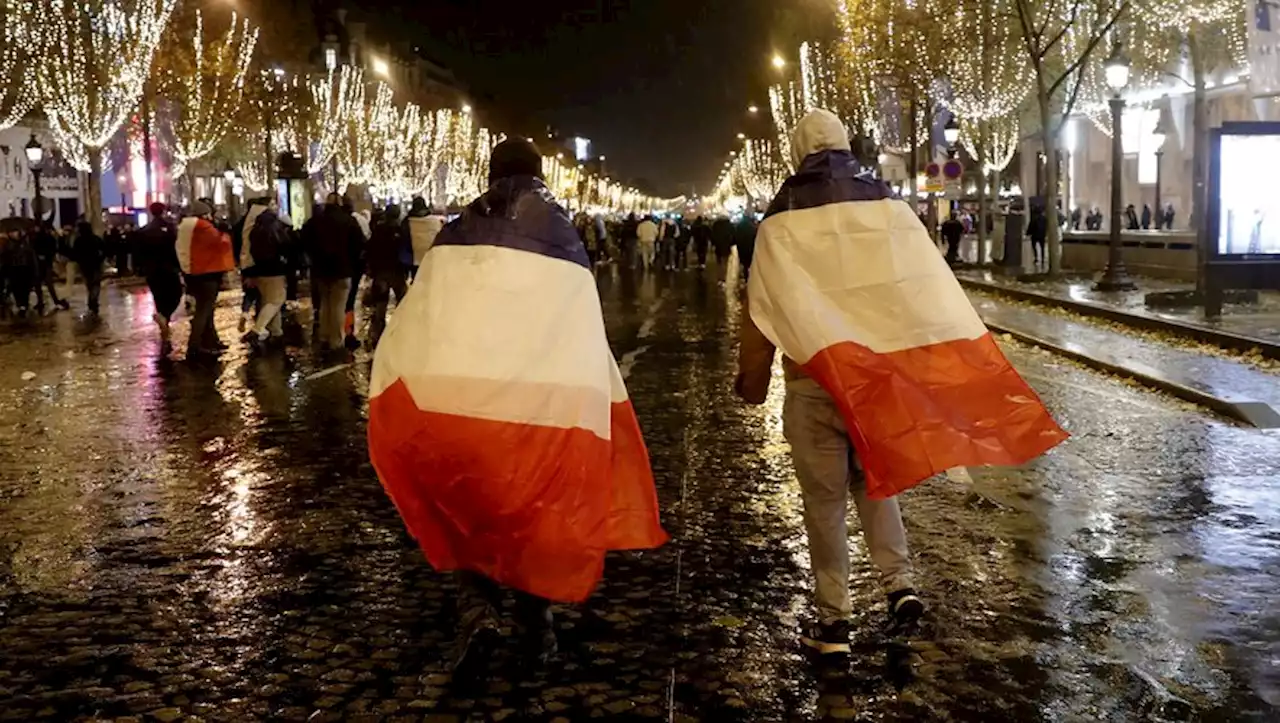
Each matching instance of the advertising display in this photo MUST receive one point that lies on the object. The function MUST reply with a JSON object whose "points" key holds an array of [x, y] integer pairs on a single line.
{"points": [[1248, 217]]}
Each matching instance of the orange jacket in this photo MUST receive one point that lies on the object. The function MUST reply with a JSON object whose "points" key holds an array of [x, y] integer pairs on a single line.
{"points": [[202, 248]]}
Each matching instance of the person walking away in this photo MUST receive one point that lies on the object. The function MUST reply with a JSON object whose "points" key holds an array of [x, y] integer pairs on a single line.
{"points": [[156, 258], [683, 238], [251, 298], [265, 258], [1131, 218], [701, 240], [722, 240], [647, 235], [627, 239], [420, 228], [46, 248], [357, 273], [830, 234], [1146, 217], [952, 232], [521, 497], [88, 253], [204, 255], [20, 270], [1038, 230], [670, 233], [744, 238], [385, 269], [332, 241]]}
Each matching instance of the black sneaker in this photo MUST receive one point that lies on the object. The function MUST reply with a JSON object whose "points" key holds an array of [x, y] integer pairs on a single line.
{"points": [[475, 648], [905, 609], [828, 638]]}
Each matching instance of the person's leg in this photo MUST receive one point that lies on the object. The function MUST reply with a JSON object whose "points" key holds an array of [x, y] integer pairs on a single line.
{"points": [[205, 294], [316, 303], [273, 291], [821, 452], [380, 295], [479, 599], [349, 317], [334, 302], [93, 286]]}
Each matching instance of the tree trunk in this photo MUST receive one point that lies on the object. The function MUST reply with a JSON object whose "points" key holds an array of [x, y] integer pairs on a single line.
{"points": [[146, 148], [1199, 165], [94, 211], [981, 147], [1049, 143], [913, 160]]}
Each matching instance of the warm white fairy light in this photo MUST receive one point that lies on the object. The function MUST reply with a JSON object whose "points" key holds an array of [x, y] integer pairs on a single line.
{"points": [[18, 60], [96, 57], [205, 87], [367, 135], [338, 96], [989, 74]]}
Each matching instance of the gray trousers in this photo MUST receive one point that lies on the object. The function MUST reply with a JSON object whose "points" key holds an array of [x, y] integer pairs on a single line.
{"points": [[333, 310], [272, 290], [828, 470]]}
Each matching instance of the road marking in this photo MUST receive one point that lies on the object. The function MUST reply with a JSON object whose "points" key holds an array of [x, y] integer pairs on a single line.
{"points": [[629, 360], [326, 372]]}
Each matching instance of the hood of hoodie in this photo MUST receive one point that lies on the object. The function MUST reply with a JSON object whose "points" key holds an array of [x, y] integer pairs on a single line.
{"points": [[820, 130]]}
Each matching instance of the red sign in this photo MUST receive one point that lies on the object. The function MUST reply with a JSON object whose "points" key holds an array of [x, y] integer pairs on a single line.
{"points": [[952, 169], [932, 170]]}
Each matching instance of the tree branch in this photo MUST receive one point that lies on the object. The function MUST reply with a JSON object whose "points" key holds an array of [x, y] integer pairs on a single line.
{"points": [[1093, 43]]}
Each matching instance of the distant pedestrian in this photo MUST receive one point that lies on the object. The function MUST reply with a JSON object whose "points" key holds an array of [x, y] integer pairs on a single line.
{"points": [[332, 239], [627, 238], [21, 268], [871, 406], [419, 232], [156, 258], [647, 236], [1038, 230], [498, 422], [46, 248], [265, 259], [1131, 217], [1146, 217], [1168, 217], [722, 240], [386, 270], [204, 254], [701, 240], [744, 239], [88, 253], [952, 232], [251, 298]]}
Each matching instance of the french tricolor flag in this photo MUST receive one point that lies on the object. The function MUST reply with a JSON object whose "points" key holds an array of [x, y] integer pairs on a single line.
{"points": [[499, 423], [847, 283]]}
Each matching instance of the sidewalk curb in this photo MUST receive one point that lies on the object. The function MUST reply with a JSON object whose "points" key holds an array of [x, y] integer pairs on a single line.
{"points": [[1253, 413], [1232, 342]]}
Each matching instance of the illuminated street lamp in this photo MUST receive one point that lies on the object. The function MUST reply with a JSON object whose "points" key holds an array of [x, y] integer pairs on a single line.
{"points": [[779, 62], [381, 67], [466, 108], [753, 109], [742, 136], [1116, 278], [35, 163], [951, 131]]}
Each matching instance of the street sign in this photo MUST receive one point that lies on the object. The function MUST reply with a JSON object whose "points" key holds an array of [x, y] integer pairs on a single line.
{"points": [[952, 170], [933, 184]]}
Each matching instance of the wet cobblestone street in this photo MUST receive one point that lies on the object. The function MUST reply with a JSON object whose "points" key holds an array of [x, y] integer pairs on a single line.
{"points": [[185, 542]]}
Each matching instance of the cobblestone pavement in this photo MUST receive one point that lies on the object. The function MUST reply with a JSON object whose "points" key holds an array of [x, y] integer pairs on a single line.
{"points": [[186, 542], [1259, 321]]}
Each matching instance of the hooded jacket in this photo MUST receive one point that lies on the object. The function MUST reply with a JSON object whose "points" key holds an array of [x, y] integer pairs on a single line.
{"points": [[847, 283]]}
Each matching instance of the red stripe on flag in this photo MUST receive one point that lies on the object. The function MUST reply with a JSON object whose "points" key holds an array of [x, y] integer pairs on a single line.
{"points": [[532, 507], [917, 412]]}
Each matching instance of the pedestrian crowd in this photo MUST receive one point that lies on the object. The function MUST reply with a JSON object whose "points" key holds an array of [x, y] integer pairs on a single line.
{"points": [[664, 241]]}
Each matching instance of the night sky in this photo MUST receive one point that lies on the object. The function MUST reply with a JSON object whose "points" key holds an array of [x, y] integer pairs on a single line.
{"points": [[660, 86]]}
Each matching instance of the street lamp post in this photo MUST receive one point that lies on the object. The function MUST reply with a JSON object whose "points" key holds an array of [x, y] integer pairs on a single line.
{"points": [[1116, 278], [1159, 135], [35, 163]]}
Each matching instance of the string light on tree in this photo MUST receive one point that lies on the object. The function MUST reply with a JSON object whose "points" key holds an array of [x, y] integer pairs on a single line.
{"points": [[18, 60], [96, 56], [204, 83]]}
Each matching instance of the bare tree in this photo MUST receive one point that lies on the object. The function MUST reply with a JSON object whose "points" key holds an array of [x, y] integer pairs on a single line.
{"points": [[1060, 38]]}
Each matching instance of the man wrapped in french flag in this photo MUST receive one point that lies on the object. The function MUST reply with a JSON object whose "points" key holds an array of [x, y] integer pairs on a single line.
{"points": [[891, 375], [498, 420]]}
